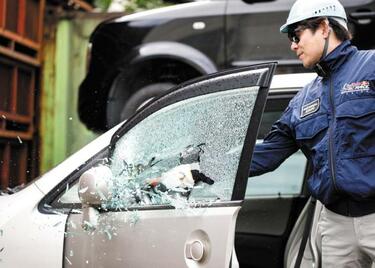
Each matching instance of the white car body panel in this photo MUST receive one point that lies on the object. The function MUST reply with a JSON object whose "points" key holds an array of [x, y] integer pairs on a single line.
{"points": [[43, 239], [113, 243], [38, 245]]}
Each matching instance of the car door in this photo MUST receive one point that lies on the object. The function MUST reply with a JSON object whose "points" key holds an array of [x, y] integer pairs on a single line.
{"points": [[210, 126], [252, 31], [273, 201]]}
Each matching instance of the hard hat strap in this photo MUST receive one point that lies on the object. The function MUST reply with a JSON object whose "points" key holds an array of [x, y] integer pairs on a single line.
{"points": [[321, 68], [325, 49]]}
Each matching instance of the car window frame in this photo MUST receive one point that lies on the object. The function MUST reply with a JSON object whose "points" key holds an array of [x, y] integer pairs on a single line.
{"points": [[190, 90]]}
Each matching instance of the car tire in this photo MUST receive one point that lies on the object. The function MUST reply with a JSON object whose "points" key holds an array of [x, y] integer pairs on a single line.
{"points": [[142, 96], [122, 108]]}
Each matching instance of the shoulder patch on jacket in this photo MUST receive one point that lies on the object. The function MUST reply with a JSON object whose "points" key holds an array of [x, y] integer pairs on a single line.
{"points": [[310, 108]]}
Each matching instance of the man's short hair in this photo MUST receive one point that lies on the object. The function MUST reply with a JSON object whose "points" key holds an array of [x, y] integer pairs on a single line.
{"points": [[313, 24]]}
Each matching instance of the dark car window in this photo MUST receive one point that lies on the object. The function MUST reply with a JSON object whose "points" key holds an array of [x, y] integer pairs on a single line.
{"points": [[287, 179], [247, 24]]}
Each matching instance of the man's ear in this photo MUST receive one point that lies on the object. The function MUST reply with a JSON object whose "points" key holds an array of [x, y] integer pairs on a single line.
{"points": [[325, 28]]}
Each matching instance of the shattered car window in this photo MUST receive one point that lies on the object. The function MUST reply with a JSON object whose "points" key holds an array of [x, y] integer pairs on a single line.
{"points": [[189, 150]]}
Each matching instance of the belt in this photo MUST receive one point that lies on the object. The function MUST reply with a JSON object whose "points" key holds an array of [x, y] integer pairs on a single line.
{"points": [[352, 208]]}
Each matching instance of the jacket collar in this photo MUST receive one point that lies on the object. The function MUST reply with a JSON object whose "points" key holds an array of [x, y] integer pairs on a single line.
{"points": [[334, 59]]}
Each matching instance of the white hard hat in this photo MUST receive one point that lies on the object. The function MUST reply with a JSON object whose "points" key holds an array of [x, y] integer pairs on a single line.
{"points": [[306, 9]]}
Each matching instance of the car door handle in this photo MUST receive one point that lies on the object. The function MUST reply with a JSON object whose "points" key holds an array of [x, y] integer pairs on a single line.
{"points": [[195, 250], [364, 17]]}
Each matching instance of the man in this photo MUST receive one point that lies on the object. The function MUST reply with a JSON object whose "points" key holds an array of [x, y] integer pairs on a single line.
{"points": [[332, 120]]}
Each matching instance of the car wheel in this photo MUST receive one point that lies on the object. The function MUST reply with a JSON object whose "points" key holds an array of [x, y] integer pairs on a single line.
{"points": [[121, 106], [142, 96]]}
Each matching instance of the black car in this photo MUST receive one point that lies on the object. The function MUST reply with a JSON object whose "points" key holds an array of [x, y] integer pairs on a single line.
{"points": [[137, 57]]}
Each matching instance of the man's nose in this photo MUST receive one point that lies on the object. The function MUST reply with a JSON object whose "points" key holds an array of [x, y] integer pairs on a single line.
{"points": [[293, 46]]}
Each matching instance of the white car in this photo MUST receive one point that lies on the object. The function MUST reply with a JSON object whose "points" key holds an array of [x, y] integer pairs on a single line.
{"points": [[165, 189]]}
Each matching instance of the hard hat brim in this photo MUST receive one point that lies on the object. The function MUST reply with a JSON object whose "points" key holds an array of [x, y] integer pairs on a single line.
{"points": [[284, 28]]}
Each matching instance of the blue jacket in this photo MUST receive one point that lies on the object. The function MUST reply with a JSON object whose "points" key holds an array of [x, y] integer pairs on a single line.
{"points": [[332, 120]]}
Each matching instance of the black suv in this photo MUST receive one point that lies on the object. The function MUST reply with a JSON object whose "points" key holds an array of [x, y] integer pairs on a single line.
{"points": [[137, 57]]}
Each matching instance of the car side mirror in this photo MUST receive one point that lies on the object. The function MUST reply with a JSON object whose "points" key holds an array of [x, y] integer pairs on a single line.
{"points": [[94, 189], [94, 186]]}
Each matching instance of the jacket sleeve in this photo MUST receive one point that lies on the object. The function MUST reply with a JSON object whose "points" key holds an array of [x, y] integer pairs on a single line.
{"points": [[277, 146]]}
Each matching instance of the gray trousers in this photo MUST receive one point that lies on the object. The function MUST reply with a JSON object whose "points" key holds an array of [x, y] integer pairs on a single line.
{"points": [[347, 241]]}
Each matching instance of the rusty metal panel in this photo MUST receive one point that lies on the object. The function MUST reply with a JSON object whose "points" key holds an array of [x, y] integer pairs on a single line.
{"points": [[21, 17], [18, 164], [25, 96], [11, 9], [32, 21], [17, 130], [2, 13], [21, 29], [15, 164], [17, 89], [4, 164], [6, 72]]}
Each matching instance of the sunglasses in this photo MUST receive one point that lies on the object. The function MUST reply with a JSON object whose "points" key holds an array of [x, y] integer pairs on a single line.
{"points": [[294, 35], [293, 38]]}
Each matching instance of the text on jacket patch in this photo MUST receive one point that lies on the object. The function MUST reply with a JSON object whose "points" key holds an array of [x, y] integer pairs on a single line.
{"points": [[310, 108]]}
